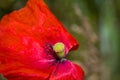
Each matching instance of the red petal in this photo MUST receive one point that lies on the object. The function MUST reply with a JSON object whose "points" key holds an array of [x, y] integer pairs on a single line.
{"points": [[67, 71], [37, 21], [14, 70]]}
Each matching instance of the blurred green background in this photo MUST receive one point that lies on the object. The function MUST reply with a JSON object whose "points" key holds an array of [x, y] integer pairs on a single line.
{"points": [[95, 24]]}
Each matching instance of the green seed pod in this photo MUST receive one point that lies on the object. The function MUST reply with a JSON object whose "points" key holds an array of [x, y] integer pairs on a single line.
{"points": [[59, 49]]}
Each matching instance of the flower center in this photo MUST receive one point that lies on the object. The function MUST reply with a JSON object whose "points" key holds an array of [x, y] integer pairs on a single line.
{"points": [[59, 49]]}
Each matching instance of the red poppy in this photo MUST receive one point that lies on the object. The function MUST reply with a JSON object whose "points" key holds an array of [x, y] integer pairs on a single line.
{"points": [[29, 41]]}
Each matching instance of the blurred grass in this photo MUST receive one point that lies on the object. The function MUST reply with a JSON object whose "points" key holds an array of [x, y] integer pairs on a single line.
{"points": [[1, 77], [103, 19]]}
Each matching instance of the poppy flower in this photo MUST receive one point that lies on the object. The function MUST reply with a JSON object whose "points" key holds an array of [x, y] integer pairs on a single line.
{"points": [[34, 44]]}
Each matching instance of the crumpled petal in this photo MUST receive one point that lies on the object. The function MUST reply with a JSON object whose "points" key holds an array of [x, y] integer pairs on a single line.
{"points": [[66, 70], [27, 37], [36, 20]]}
